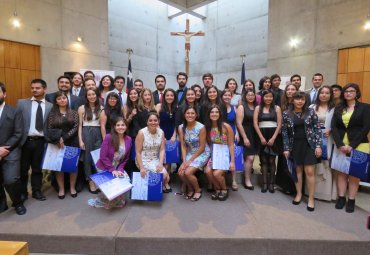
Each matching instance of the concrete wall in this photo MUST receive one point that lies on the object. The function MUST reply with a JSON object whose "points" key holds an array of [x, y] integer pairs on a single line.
{"points": [[55, 25], [322, 26], [231, 28]]}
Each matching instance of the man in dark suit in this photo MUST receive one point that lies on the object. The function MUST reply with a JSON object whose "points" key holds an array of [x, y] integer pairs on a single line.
{"points": [[313, 93], [207, 79], [64, 85], [11, 126], [160, 83], [278, 92], [182, 79], [77, 86], [34, 111]]}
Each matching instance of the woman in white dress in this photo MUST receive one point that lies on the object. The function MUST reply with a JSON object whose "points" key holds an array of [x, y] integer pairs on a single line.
{"points": [[150, 149]]}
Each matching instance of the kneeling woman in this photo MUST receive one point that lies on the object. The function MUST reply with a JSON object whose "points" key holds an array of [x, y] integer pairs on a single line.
{"points": [[114, 154], [195, 152], [302, 137], [219, 132], [150, 149]]}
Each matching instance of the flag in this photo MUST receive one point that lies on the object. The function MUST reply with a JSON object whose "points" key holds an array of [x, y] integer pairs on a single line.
{"points": [[129, 84], [242, 79]]}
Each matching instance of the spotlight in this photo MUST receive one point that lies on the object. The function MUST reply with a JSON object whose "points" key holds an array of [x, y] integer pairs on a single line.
{"points": [[293, 43], [367, 23], [79, 39], [16, 21]]}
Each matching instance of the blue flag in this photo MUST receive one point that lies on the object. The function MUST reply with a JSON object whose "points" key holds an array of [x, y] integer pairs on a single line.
{"points": [[242, 79], [129, 84]]}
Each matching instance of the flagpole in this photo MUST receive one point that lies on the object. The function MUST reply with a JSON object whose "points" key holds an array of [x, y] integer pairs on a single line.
{"points": [[129, 82], [243, 56], [242, 77]]}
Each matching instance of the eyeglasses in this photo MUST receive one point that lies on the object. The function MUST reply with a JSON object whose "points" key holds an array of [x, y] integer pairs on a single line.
{"points": [[350, 91]]}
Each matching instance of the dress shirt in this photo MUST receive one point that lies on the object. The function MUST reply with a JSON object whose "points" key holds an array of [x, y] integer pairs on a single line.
{"points": [[32, 131], [76, 91], [2, 108]]}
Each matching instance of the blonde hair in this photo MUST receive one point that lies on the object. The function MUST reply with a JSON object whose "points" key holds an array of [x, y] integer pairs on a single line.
{"points": [[141, 100]]}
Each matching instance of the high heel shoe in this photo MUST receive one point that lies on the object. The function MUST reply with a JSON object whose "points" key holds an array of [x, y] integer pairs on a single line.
{"points": [[74, 195], [61, 196], [310, 209]]}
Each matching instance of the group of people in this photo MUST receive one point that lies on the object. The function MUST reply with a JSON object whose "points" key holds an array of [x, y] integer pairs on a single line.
{"points": [[131, 129]]}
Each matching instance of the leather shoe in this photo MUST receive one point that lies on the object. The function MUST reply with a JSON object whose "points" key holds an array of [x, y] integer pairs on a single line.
{"points": [[20, 209], [38, 195], [24, 197], [3, 208]]}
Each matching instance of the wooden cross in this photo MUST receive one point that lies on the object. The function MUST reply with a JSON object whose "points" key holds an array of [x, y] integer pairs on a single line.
{"points": [[187, 34]]}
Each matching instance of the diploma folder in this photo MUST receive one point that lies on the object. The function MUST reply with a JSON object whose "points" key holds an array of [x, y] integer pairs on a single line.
{"points": [[110, 185], [60, 160], [221, 157], [172, 152], [148, 188]]}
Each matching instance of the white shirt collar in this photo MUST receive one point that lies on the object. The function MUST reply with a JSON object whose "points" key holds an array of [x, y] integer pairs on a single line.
{"points": [[34, 99], [2, 108]]}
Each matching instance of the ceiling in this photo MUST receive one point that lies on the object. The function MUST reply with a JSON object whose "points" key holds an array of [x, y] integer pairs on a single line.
{"points": [[187, 6]]}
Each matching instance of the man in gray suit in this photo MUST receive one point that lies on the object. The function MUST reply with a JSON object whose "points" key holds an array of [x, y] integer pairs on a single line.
{"points": [[35, 111], [11, 127]]}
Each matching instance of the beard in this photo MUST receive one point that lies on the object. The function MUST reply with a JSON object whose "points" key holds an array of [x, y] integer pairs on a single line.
{"points": [[1, 100]]}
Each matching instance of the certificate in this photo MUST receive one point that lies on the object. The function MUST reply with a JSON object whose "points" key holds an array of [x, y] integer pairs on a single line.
{"points": [[324, 147], [148, 188], [239, 158], [61, 159], [110, 185], [172, 152], [220, 157], [95, 154], [291, 171]]}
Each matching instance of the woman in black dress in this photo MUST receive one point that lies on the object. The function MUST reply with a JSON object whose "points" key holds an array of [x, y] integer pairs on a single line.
{"points": [[63, 122], [267, 123], [244, 122], [302, 139]]}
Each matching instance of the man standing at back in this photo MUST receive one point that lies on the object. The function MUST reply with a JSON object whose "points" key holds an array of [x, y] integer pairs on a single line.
{"points": [[138, 85], [295, 79], [312, 93], [182, 79], [64, 85], [278, 92], [160, 84], [207, 79], [11, 126], [119, 83], [35, 111]]}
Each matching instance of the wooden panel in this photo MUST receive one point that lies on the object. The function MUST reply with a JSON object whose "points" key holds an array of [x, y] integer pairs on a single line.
{"points": [[342, 61], [2, 53], [342, 79], [365, 92], [28, 58], [2, 74], [13, 85], [367, 60], [37, 58], [15, 248], [12, 55], [26, 77], [355, 78]]}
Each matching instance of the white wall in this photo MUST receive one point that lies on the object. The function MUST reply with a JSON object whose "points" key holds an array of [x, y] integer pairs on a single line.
{"points": [[55, 25], [322, 26], [231, 28]]}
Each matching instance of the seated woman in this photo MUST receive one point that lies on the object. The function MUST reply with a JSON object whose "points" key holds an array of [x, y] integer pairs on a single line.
{"points": [[219, 132], [62, 127], [114, 153], [195, 152], [150, 149]]}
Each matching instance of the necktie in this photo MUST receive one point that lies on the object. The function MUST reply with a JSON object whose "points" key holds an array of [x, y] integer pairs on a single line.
{"points": [[179, 95], [120, 97], [160, 97], [314, 97], [76, 92], [39, 118]]}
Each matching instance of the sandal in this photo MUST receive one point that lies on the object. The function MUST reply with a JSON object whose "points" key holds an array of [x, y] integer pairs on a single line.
{"points": [[188, 197], [224, 194], [194, 199], [215, 195]]}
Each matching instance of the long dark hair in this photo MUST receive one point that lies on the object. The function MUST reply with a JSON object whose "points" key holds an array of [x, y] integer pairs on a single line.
{"points": [[115, 111], [244, 97], [114, 134], [208, 123], [201, 92], [88, 111], [186, 101], [343, 104], [236, 86], [262, 104], [164, 105], [111, 86], [330, 102], [130, 104], [284, 99], [262, 81], [56, 112], [59, 94], [185, 122], [245, 82], [298, 95], [206, 100]]}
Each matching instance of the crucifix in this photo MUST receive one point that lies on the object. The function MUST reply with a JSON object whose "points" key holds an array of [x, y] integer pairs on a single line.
{"points": [[187, 34]]}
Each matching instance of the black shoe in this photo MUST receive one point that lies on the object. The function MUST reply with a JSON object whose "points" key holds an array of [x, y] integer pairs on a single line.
{"points": [[61, 196], [24, 197], [341, 202], [350, 207], [271, 188], [214, 196], [74, 195], [264, 188], [248, 187], [310, 209], [38, 195], [296, 202], [20, 209], [3, 207], [223, 195]]}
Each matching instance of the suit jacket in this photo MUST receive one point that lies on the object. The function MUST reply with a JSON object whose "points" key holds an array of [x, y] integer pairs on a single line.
{"points": [[311, 125], [11, 126], [107, 152], [24, 106], [74, 104], [81, 95], [182, 99], [156, 97], [357, 129]]}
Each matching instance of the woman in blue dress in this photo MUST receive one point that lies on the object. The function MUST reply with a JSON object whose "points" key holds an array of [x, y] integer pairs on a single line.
{"points": [[167, 112], [195, 152]]}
